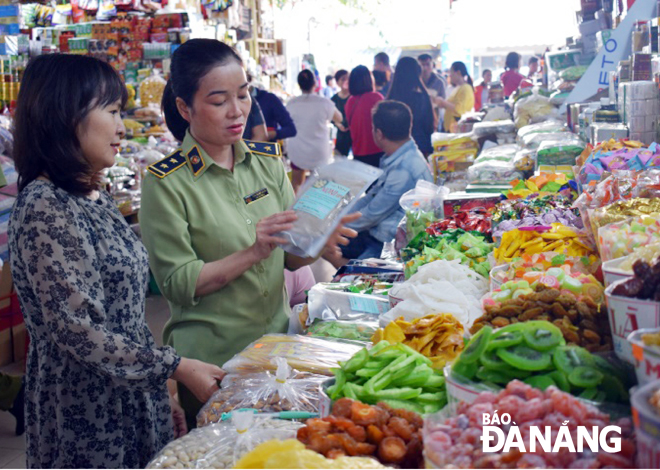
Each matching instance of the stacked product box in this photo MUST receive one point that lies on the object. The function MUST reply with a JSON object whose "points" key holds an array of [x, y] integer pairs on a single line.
{"points": [[639, 106], [10, 41], [594, 17]]}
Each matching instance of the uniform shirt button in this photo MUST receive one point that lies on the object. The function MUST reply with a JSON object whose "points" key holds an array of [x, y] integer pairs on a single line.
{"points": [[260, 269], [249, 221], [265, 293]]}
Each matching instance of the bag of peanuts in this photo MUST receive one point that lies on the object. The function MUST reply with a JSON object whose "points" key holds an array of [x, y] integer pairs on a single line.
{"points": [[265, 392], [221, 445]]}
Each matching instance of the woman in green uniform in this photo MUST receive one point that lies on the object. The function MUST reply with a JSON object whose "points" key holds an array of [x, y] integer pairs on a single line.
{"points": [[210, 212]]}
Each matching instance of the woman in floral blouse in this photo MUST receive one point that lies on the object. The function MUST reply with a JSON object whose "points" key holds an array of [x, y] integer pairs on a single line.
{"points": [[96, 393]]}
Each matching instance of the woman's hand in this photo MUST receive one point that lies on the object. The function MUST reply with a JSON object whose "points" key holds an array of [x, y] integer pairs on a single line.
{"points": [[267, 228], [199, 377], [342, 234], [178, 418], [440, 102]]}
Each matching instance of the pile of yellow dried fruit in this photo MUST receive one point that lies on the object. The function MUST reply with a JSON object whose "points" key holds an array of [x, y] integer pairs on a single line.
{"points": [[559, 239], [438, 337]]}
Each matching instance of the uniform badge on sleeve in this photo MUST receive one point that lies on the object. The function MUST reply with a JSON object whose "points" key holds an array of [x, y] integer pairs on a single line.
{"points": [[262, 193]]}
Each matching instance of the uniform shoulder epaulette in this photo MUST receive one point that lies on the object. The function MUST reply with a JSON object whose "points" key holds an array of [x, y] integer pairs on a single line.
{"points": [[167, 165], [269, 149]]}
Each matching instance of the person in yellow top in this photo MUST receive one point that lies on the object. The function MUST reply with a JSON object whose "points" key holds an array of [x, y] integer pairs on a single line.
{"points": [[461, 100], [211, 211]]}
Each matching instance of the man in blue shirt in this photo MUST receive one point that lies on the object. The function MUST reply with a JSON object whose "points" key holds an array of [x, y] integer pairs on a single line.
{"points": [[278, 121], [403, 165]]}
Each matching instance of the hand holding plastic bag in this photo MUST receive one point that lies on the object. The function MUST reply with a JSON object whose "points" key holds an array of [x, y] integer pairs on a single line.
{"points": [[327, 197]]}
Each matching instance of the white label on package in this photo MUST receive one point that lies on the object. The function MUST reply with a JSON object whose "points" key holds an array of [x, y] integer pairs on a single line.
{"points": [[321, 199], [365, 305]]}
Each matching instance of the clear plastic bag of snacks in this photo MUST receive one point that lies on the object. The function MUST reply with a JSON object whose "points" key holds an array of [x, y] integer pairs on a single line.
{"points": [[303, 353], [221, 445], [265, 392], [326, 197]]}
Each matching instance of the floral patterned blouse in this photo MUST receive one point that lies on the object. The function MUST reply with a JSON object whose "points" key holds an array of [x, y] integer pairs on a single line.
{"points": [[96, 391]]}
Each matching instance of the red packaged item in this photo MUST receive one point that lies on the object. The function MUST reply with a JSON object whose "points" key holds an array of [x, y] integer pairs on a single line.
{"points": [[476, 219]]}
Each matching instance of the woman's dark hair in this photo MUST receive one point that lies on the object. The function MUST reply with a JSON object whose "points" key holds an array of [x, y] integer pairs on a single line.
{"points": [[306, 80], [58, 91], [340, 74], [512, 61], [360, 81], [483, 74], [393, 118], [380, 78], [190, 63], [407, 81], [462, 69]]}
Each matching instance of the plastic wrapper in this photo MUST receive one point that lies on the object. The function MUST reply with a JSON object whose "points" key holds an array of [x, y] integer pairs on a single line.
{"points": [[470, 248], [518, 209], [326, 304], [532, 140], [623, 210], [545, 184], [301, 352], [484, 129], [493, 172], [221, 445], [293, 454], [325, 198], [533, 107], [566, 217], [7, 142], [452, 436], [423, 205], [562, 151], [524, 160], [266, 392], [343, 330], [474, 220], [151, 90], [442, 141], [619, 239], [545, 127], [502, 153]]}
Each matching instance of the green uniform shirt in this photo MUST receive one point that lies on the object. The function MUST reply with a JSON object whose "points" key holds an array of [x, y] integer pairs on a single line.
{"points": [[193, 212]]}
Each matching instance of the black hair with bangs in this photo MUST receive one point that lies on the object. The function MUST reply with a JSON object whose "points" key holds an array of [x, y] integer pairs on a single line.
{"points": [[58, 91]]}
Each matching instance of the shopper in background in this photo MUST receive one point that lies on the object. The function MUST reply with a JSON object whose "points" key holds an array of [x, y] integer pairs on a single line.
{"points": [[382, 64], [462, 98], [311, 113], [435, 83], [403, 165], [511, 78], [209, 220], [279, 124], [380, 80], [358, 114], [407, 87], [481, 90], [255, 127], [330, 87], [95, 383], [533, 67], [12, 399], [343, 143]]}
